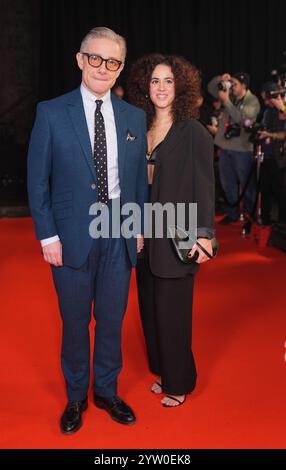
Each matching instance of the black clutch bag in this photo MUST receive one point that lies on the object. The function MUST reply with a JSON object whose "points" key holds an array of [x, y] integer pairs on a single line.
{"points": [[182, 243]]}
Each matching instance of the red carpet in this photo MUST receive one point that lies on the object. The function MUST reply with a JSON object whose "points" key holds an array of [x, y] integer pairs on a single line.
{"points": [[239, 343]]}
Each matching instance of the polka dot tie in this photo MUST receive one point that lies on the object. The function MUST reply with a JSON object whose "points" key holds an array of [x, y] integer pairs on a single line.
{"points": [[100, 154]]}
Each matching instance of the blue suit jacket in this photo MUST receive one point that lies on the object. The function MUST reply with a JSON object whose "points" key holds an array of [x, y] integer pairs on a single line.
{"points": [[61, 173]]}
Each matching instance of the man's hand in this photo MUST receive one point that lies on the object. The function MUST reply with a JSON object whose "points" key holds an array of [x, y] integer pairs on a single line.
{"points": [[265, 134], [212, 129], [207, 244], [226, 77], [278, 103], [140, 243], [53, 253]]}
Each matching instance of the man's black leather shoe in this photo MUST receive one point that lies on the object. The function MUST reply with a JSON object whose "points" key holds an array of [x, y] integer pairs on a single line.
{"points": [[71, 419], [116, 408]]}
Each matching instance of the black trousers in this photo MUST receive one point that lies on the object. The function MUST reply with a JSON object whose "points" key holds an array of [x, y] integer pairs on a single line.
{"points": [[271, 187], [166, 314]]}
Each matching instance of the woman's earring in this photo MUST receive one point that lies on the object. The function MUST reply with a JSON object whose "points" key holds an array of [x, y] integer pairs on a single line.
{"points": [[146, 96]]}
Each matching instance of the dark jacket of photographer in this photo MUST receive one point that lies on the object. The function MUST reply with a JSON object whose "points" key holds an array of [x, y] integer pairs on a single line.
{"points": [[235, 113], [271, 147]]}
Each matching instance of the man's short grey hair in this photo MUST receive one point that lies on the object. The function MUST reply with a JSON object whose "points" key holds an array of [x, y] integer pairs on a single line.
{"points": [[102, 32]]}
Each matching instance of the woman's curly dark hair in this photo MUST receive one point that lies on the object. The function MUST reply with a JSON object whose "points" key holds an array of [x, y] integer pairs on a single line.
{"points": [[187, 86]]}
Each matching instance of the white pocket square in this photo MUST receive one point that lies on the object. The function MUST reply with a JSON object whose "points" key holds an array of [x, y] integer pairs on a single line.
{"points": [[130, 137]]}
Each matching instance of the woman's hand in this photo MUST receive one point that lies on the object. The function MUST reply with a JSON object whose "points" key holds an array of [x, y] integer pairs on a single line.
{"points": [[207, 244]]}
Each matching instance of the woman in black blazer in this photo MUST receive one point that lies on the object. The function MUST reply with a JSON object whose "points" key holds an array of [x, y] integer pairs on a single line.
{"points": [[180, 170]]}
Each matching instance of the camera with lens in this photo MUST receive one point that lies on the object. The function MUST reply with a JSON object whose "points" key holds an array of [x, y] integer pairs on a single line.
{"points": [[224, 85], [232, 130], [253, 130]]}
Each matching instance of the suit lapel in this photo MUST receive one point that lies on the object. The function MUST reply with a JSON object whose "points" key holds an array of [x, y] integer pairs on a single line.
{"points": [[76, 112], [119, 110], [172, 139]]}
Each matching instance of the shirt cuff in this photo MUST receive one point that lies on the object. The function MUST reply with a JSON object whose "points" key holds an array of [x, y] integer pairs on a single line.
{"points": [[47, 241]]}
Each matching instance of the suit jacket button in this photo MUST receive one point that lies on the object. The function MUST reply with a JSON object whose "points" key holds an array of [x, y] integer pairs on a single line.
{"points": [[93, 186]]}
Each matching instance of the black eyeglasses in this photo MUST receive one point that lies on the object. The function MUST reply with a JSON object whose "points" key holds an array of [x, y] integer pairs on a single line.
{"points": [[96, 61]]}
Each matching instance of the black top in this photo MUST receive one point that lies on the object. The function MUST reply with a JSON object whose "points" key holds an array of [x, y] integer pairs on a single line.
{"points": [[151, 156]]}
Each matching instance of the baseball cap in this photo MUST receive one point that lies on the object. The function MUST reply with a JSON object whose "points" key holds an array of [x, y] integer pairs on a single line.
{"points": [[242, 77], [270, 86]]}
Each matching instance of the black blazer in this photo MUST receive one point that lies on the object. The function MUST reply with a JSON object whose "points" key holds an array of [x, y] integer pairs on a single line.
{"points": [[183, 173]]}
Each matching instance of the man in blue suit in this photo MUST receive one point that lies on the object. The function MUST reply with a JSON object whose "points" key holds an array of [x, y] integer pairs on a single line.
{"points": [[89, 147]]}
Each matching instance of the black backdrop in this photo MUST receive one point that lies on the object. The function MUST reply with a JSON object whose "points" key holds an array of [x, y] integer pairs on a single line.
{"points": [[39, 39], [217, 35]]}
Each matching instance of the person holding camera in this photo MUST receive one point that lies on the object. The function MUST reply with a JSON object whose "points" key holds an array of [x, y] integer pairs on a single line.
{"points": [[279, 103], [236, 156], [274, 161]]}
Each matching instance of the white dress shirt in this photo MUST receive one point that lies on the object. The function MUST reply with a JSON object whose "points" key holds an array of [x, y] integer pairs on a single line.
{"points": [[89, 106]]}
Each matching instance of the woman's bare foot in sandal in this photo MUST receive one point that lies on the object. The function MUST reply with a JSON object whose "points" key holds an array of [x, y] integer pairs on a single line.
{"points": [[170, 401], [157, 387]]}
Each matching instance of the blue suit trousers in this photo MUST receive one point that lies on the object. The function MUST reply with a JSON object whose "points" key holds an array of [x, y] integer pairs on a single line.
{"points": [[102, 282]]}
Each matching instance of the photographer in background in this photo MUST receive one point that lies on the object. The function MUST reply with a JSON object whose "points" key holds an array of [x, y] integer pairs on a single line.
{"points": [[274, 164], [210, 113], [280, 105], [236, 157]]}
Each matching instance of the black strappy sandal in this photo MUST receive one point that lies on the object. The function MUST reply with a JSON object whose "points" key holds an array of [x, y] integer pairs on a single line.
{"points": [[174, 399]]}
